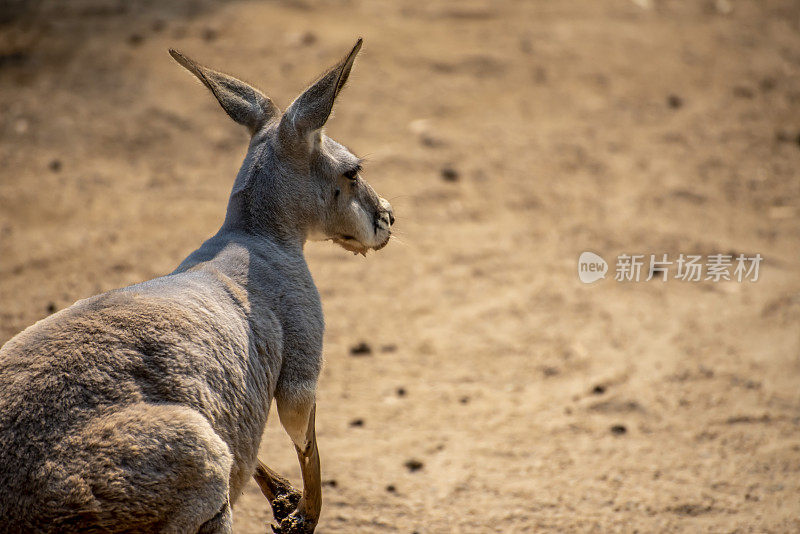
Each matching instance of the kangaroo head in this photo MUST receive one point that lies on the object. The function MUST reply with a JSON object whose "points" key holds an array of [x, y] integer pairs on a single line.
{"points": [[295, 181]]}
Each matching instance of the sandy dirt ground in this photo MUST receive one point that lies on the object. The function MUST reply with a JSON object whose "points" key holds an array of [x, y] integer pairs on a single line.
{"points": [[500, 394]]}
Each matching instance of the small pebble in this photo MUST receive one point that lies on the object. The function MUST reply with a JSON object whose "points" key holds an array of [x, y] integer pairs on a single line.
{"points": [[618, 429], [390, 488], [357, 422], [361, 349], [401, 392], [331, 483], [51, 308], [135, 39], [209, 34], [674, 101], [430, 141], [599, 389], [549, 370], [308, 38], [463, 400], [449, 174], [414, 465], [783, 136], [55, 165], [540, 75]]}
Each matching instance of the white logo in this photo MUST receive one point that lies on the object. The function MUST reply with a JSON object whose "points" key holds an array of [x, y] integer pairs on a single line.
{"points": [[689, 267], [591, 267]]}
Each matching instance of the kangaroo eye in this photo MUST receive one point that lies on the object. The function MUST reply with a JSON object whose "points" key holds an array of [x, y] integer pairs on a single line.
{"points": [[352, 174]]}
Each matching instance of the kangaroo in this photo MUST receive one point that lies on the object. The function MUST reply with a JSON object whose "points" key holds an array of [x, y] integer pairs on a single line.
{"points": [[142, 409]]}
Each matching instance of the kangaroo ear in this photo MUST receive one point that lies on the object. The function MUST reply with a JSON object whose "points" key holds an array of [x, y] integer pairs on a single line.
{"points": [[309, 112], [243, 103]]}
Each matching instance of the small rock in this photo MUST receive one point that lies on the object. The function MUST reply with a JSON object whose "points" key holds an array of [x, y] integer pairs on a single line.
{"points": [[51, 307], [430, 141], [423, 130], [308, 38], [414, 465], [357, 422], [391, 489], [16, 57], [135, 39], [401, 392], [209, 34], [674, 101], [618, 429], [464, 400], [786, 136], [767, 84], [361, 349], [540, 75], [55, 165], [449, 174], [331, 483], [549, 370], [599, 389]]}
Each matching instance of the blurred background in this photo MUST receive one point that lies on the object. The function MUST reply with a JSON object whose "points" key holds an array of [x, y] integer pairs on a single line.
{"points": [[472, 382]]}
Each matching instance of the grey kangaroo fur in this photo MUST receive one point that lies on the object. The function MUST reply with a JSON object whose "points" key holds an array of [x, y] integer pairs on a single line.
{"points": [[142, 409]]}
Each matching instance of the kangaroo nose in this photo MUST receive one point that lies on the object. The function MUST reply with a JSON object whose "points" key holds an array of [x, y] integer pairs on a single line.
{"points": [[387, 209]]}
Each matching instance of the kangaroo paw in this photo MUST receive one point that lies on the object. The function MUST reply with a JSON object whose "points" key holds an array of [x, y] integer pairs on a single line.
{"points": [[294, 524], [284, 504]]}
